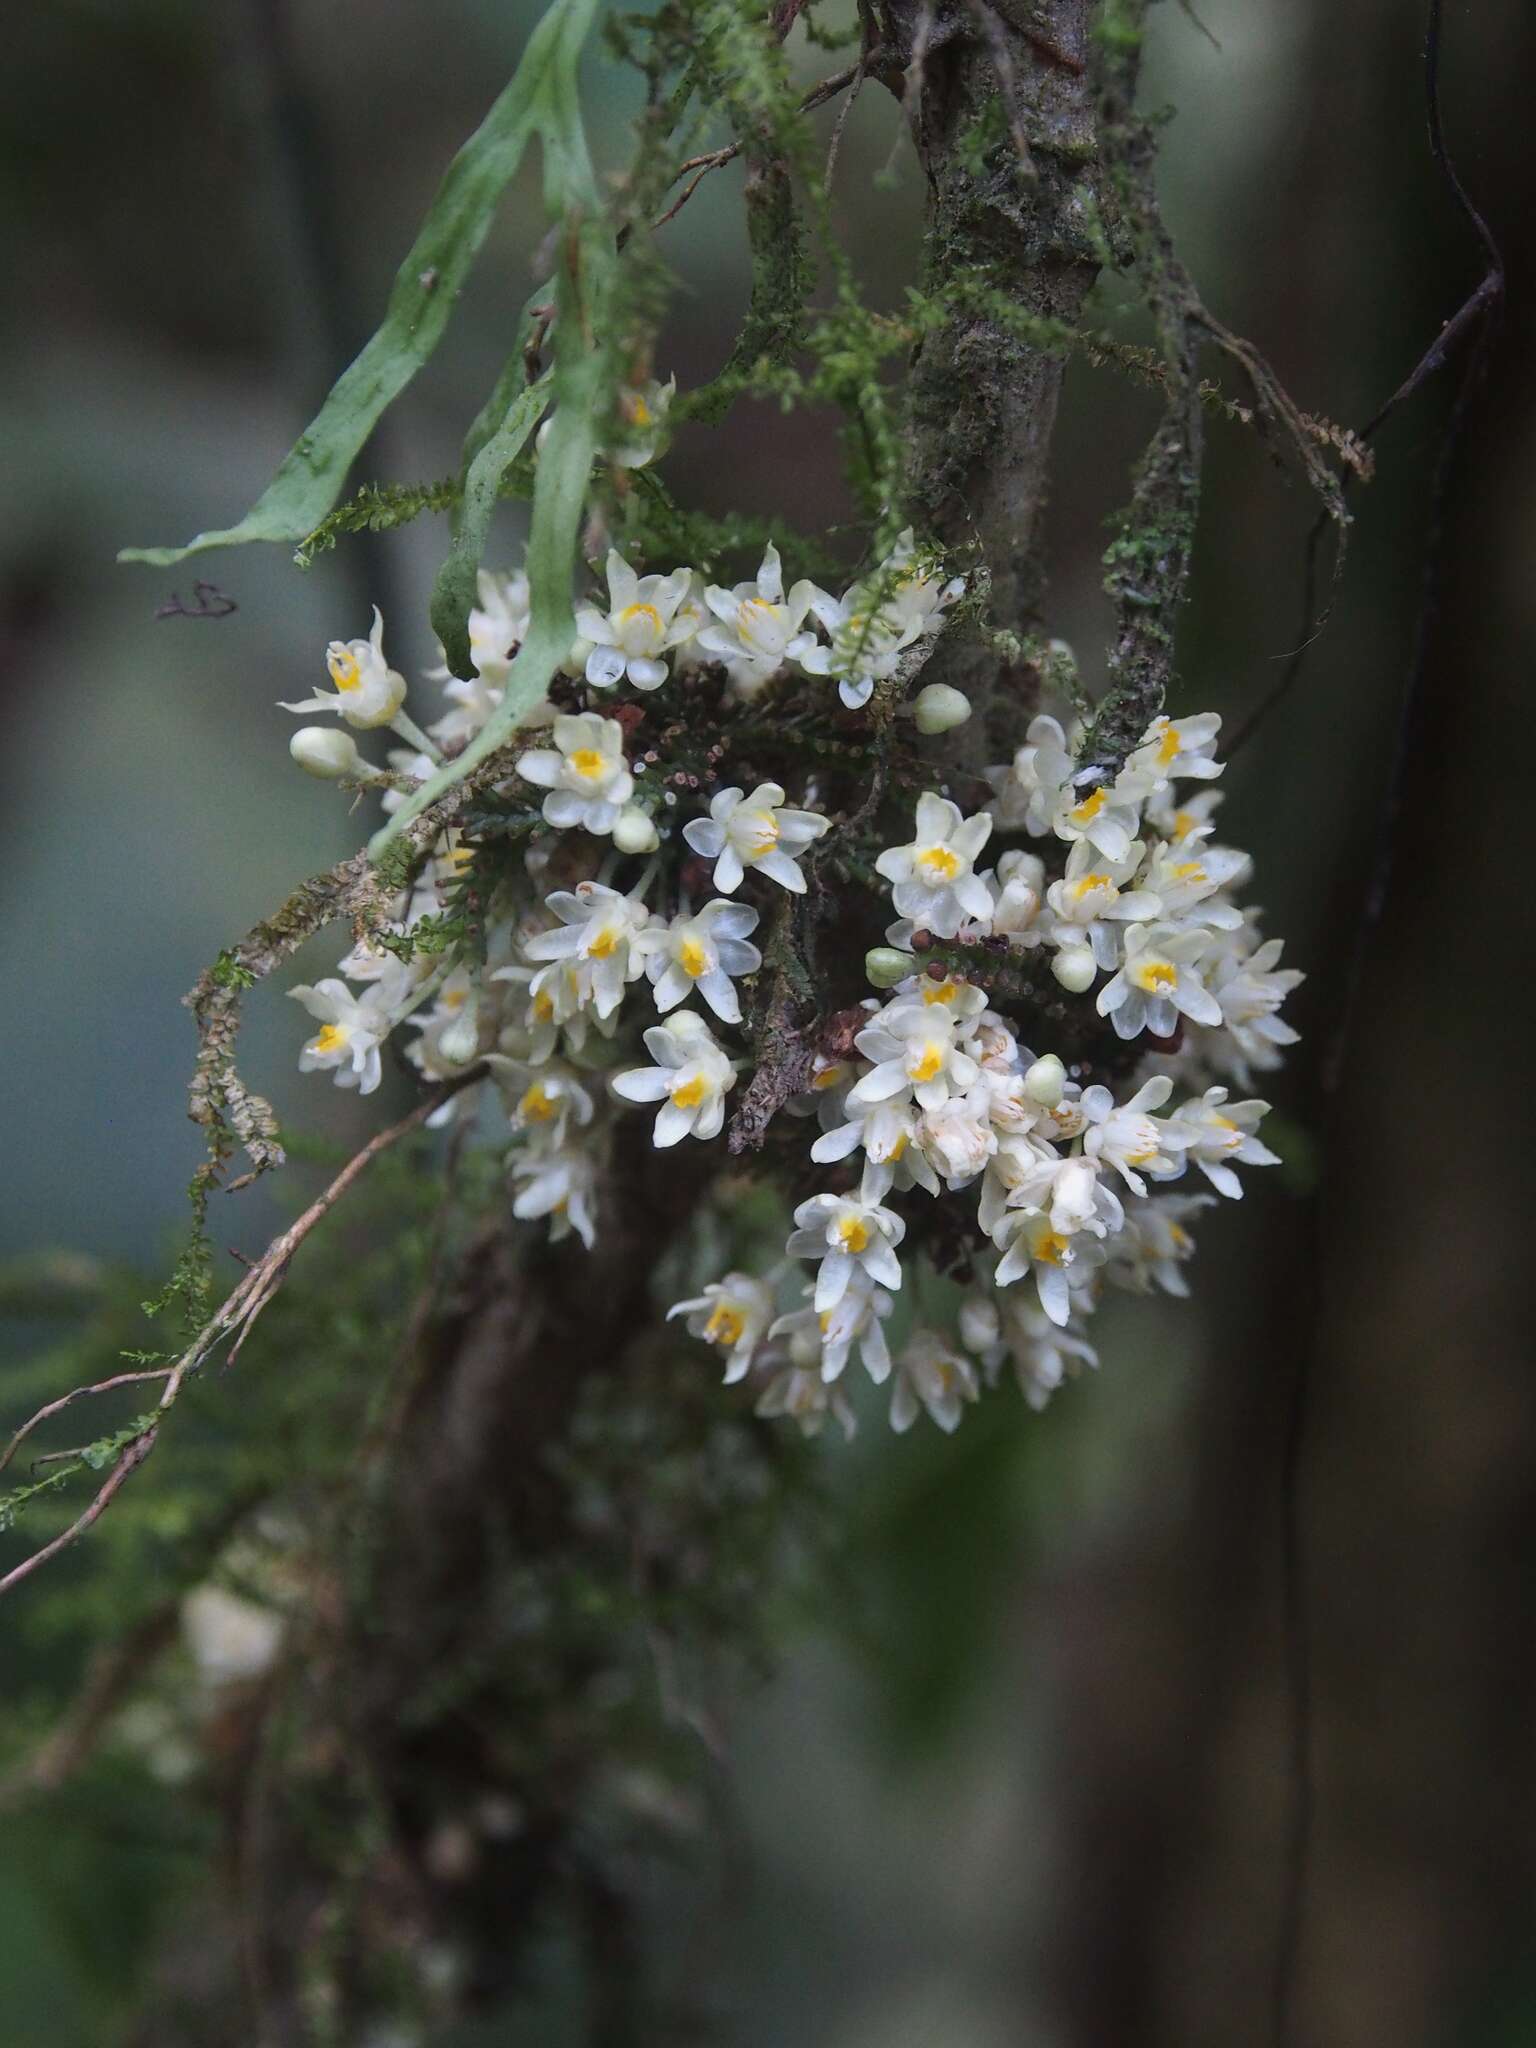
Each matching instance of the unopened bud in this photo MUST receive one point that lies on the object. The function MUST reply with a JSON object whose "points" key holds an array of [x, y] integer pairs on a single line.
{"points": [[634, 831], [1073, 967], [459, 1040], [938, 708], [886, 965], [326, 751], [1046, 1081]]}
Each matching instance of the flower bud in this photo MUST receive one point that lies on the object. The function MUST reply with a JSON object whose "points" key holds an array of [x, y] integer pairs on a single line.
{"points": [[1046, 1081], [885, 966], [326, 751], [634, 831], [938, 708], [459, 1040], [1073, 967]]}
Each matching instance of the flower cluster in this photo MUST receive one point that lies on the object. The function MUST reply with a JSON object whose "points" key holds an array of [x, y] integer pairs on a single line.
{"points": [[1070, 994]]}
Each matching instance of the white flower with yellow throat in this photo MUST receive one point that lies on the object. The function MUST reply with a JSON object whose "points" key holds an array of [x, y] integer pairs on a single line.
{"points": [[369, 692]]}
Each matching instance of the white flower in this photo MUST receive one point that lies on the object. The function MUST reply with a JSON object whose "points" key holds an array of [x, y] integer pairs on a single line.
{"points": [[559, 1185], [1159, 982], [733, 1313], [1091, 891], [1169, 749], [1018, 889], [958, 1136], [1178, 877], [758, 629], [691, 1079], [542, 1100], [1155, 1243], [874, 621], [1217, 1131], [934, 879], [1107, 817], [1029, 792], [832, 1333], [887, 1132], [932, 1374], [703, 952], [913, 582], [643, 410], [1008, 1326], [1030, 1245], [915, 1049], [849, 1236], [588, 780], [602, 928], [640, 625], [1072, 1197], [1127, 1137], [352, 1028], [754, 831], [801, 1392], [368, 691], [1250, 991], [498, 624]]}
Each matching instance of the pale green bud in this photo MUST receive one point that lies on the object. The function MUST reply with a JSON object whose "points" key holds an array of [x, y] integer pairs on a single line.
{"points": [[459, 1041], [886, 965], [1046, 1081], [938, 708], [634, 832], [327, 751], [1073, 968]]}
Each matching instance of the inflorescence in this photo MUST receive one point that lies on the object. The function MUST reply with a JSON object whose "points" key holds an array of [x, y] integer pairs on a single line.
{"points": [[1057, 1033]]}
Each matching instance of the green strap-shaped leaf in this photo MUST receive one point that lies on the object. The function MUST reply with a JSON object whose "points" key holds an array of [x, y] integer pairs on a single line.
{"points": [[583, 377], [540, 100]]}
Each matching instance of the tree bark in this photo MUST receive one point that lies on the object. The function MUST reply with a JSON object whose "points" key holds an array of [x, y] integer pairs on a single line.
{"points": [[1003, 112]]}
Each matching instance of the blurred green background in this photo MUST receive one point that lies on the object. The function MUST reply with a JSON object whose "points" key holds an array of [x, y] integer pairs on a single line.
{"points": [[1035, 1789]]}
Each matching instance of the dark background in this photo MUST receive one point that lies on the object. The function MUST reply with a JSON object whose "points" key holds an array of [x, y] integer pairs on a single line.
{"points": [[1043, 1795]]}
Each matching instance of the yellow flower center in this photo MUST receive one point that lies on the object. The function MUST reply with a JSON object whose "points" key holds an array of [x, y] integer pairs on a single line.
{"points": [[693, 958], [543, 1006], [536, 1105], [725, 1325], [1183, 824], [642, 614], [765, 832], [939, 863], [1048, 1247], [1168, 747], [1178, 1236], [1086, 884], [941, 991], [588, 762], [346, 673], [1090, 807], [1189, 871], [605, 943], [1156, 977], [639, 411], [853, 1235], [689, 1094], [929, 1061], [330, 1038], [829, 1077]]}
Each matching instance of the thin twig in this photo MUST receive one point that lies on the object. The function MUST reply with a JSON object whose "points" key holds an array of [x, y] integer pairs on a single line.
{"points": [[717, 159], [238, 1313], [121, 1379]]}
